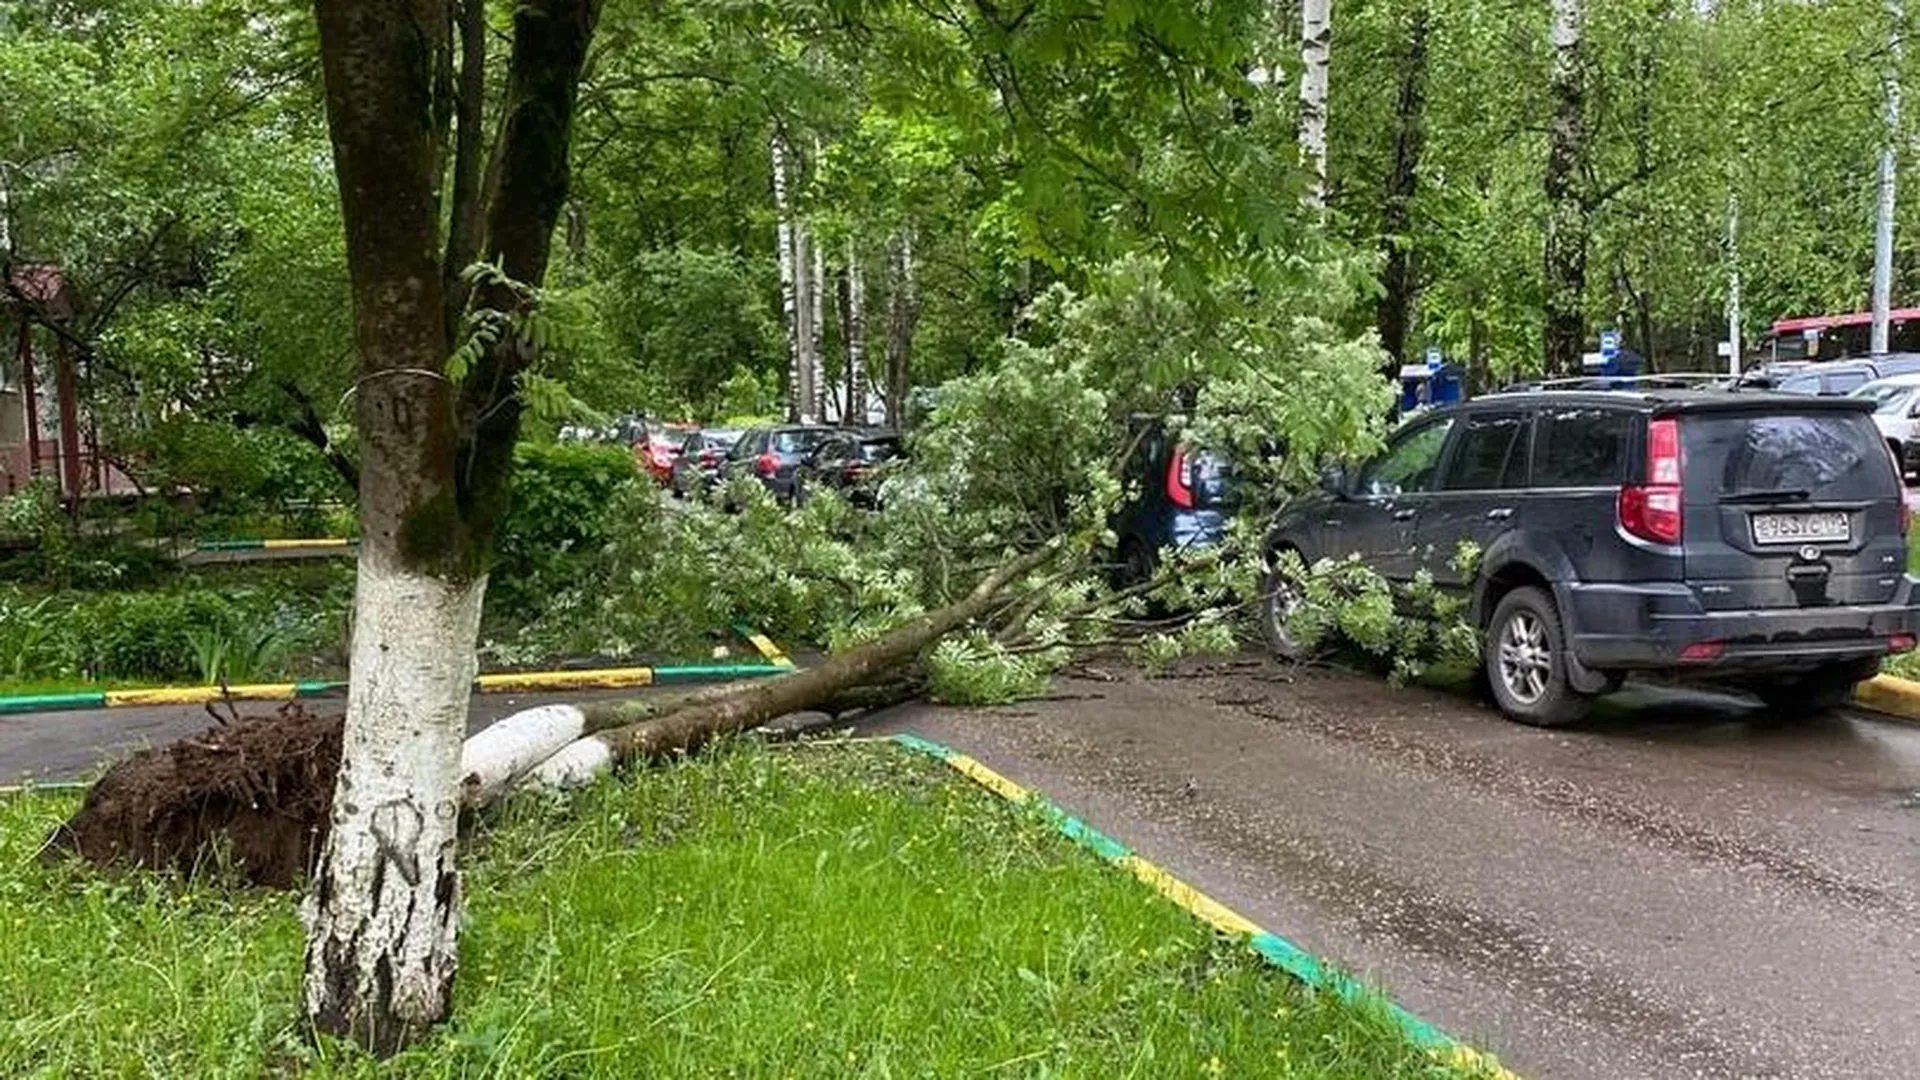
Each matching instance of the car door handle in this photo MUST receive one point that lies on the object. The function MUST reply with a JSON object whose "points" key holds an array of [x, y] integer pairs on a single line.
{"points": [[1500, 513], [1405, 514], [1332, 523]]}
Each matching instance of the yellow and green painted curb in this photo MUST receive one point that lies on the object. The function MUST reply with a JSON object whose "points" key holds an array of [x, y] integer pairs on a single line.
{"points": [[525, 682], [1276, 950], [316, 542], [1890, 694]]}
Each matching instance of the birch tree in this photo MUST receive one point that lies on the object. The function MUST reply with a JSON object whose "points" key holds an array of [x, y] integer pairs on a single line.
{"points": [[854, 329], [1567, 210], [437, 418], [785, 236], [1316, 43], [903, 314]]}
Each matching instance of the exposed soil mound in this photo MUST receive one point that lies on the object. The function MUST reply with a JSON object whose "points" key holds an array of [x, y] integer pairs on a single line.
{"points": [[251, 798]]}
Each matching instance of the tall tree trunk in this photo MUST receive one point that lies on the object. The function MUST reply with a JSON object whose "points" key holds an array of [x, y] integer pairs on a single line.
{"points": [[1889, 164], [1733, 283], [903, 315], [1316, 45], [383, 911], [816, 326], [806, 398], [785, 236], [1396, 225], [1567, 210], [69, 405], [854, 330]]}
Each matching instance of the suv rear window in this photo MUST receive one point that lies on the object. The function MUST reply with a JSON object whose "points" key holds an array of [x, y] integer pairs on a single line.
{"points": [[1581, 447], [1825, 455]]}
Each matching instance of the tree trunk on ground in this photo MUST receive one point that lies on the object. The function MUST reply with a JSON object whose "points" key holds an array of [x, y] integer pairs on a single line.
{"points": [[784, 238], [1316, 45], [1396, 226], [703, 717], [903, 314], [434, 461], [1567, 211]]}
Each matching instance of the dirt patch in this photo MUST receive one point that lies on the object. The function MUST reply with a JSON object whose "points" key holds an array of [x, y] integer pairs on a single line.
{"points": [[251, 798]]}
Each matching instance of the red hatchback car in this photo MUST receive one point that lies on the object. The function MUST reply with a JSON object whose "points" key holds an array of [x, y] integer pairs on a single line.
{"points": [[658, 447]]}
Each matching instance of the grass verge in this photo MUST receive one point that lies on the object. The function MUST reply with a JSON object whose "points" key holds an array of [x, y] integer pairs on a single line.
{"points": [[810, 912]]}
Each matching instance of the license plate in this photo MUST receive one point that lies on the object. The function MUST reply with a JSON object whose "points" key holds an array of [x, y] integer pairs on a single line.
{"points": [[1822, 527]]}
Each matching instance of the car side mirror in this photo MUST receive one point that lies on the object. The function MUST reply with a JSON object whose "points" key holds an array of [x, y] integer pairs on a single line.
{"points": [[1333, 481], [1914, 412]]}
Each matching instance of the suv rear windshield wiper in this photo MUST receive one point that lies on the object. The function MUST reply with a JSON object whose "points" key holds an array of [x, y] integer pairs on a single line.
{"points": [[1779, 495]]}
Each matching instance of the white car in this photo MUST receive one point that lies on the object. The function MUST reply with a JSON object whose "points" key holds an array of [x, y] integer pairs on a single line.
{"points": [[1897, 413]]}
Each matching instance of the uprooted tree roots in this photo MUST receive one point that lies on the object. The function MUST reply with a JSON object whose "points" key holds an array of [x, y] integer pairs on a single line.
{"points": [[251, 797]]}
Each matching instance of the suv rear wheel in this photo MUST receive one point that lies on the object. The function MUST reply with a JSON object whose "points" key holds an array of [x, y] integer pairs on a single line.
{"points": [[1818, 690], [1279, 598], [1526, 662]]}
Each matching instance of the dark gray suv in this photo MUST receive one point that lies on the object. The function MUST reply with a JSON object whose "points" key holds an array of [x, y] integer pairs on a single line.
{"points": [[1750, 538]]}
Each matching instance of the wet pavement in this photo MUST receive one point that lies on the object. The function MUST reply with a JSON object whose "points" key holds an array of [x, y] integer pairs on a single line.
{"points": [[1684, 888]]}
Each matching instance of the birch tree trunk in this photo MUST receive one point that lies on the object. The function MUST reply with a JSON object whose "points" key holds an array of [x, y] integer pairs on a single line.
{"points": [[903, 314], [1889, 165], [816, 323], [1567, 225], [784, 235], [854, 329], [1733, 283], [383, 913], [1316, 45]]}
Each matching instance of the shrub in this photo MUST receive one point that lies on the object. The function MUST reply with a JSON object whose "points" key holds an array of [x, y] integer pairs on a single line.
{"points": [[563, 499]]}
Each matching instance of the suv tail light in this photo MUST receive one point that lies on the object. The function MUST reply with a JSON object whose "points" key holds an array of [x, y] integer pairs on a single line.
{"points": [[709, 456], [1179, 486], [767, 464], [1652, 511]]}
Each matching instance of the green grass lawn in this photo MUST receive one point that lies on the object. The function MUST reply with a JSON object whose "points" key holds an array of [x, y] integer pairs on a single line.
{"points": [[810, 912]]}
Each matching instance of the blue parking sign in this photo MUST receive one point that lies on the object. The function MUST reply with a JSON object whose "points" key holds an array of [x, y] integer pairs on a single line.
{"points": [[1609, 344]]}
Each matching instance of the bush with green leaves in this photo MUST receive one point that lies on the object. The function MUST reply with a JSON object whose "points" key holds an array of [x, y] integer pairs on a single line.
{"points": [[562, 513]]}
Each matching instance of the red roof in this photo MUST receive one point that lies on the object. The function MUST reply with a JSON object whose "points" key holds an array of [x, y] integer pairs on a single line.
{"points": [[1828, 322], [44, 285]]}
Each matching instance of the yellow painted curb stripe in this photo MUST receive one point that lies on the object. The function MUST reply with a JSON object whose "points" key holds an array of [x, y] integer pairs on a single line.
{"points": [[1211, 911], [197, 695], [766, 648], [988, 779], [603, 679], [317, 542], [1889, 694]]}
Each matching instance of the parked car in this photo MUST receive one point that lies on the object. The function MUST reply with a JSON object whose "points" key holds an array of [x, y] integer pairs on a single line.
{"points": [[1184, 501], [697, 466], [1896, 411], [848, 462], [1768, 375], [1830, 379], [771, 454], [659, 448], [1754, 539]]}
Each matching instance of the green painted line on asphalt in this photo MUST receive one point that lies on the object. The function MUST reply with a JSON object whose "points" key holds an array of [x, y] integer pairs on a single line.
{"points": [[230, 545], [32, 703], [687, 673], [313, 688]]}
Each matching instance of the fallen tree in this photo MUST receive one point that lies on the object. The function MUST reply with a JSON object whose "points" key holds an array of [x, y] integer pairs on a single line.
{"points": [[253, 796]]}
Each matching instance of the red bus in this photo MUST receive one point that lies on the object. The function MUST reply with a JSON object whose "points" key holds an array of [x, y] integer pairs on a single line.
{"points": [[1830, 337]]}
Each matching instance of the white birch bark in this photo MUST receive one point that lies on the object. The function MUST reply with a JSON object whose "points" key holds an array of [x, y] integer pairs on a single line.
{"points": [[856, 335], [1316, 45], [385, 904], [789, 288], [1889, 166], [494, 758], [1733, 283], [816, 359]]}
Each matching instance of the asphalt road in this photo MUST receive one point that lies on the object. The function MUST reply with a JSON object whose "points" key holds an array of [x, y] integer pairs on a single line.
{"points": [[1683, 889]]}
